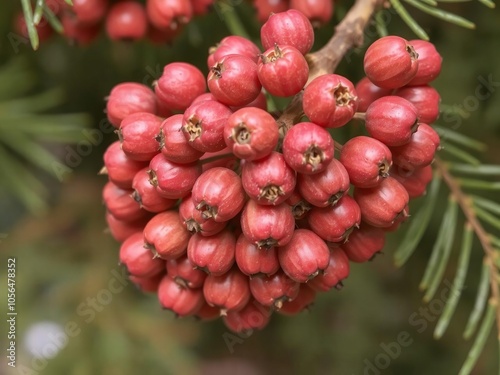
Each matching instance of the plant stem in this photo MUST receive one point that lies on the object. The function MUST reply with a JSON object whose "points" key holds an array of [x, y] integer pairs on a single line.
{"points": [[465, 203], [348, 34]]}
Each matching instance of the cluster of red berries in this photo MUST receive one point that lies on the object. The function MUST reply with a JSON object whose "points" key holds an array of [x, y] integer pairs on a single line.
{"points": [[319, 12], [220, 213], [129, 20]]}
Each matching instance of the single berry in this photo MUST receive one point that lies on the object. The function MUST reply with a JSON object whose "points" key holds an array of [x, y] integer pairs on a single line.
{"points": [[337, 270], [127, 98], [120, 169], [195, 222], [146, 195], [165, 235], [169, 14], [126, 20], [139, 260], [429, 62], [253, 316], [137, 135], [303, 301], [425, 98], [184, 273], [253, 261], [364, 243], [120, 230], [214, 254], [368, 93], [90, 11], [181, 301], [120, 204], [233, 45], [319, 12], [274, 290], [415, 181]]}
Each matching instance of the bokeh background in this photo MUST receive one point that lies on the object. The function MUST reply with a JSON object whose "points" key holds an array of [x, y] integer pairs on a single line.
{"points": [[65, 257]]}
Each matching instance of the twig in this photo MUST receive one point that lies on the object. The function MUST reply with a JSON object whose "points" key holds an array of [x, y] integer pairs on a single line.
{"points": [[466, 205], [348, 34]]}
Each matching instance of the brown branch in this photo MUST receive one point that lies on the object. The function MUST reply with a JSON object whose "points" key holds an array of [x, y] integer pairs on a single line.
{"points": [[465, 204], [348, 34]]}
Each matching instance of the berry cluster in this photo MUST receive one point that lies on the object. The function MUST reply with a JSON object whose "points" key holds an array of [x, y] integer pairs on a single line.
{"points": [[319, 12], [245, 216], [158, 20]]}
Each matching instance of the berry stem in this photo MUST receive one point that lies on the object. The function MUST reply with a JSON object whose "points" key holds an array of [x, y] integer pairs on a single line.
{"points": [[465, 204], [348, 34]]}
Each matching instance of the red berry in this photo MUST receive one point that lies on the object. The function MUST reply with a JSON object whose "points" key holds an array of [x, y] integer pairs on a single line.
{"points": [[366, 160], [253, 261], [169, 14], [228, 292], [305, 256], [392, 120], [172, 180], [146, 195], [336, 223], [203, 125], [251, 133], [147, 284], [415, 181], [364, 243], [233, 80], [165, 235], [283, 70], [194, 220], [137, 135], [126, 20], [391, 62], [127, 98], [324, 188], [214, 254], [181, 301], [218, 194], [233, 45], [207, 312], [121, 230], [302, 302], [274, 290], [337, 270], [252, 316], [319, 12], [384, 204], [269, 181], [419, 152], [368, 93], [120, 204], [289, 28], [267, 226], [139, 260], [330, 101], [425, 98], [201, 6], [179, 84], [173, 144], [308, 148], [90, 11], [429, 62], [300, 207], [120, 169], [77, 32], [184, 273]]}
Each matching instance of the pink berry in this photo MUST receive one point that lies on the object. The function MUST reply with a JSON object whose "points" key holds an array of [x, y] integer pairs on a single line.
{"points": [[233, 45], [169, 14], [173, 144], [319, 12], [425, 98], [126, 20], [253, 261], [119, 167], [228, 292], [364, 243], [337, 270], [127, 98], [146, 195], [429, 62], [274, 290], [213, 254], [120, 230], [139, 260], [137, 135], [368, 93], [181, 301], [90, 11], [253, 316], [194, 221], [184, 273], [415, 181], [120, 204], [165, 235], [302, 302]]}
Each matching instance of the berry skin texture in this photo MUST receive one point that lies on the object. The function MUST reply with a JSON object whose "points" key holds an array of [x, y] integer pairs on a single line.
{"points": [[283, 70], [172, 181], [366, 160], [429, 63], [392, 120], [119, 167], [139, 260], [414, 181], [274, 290], [289, 28], [173, 144], [383, 205], [335, 224], [146, 195], [267, 226], [182, 271], [214, 254], [330, 101], [179, 84], [169, 14], [419, 152], [364, 243], [203, 125], [425, 98], [368, 93], [233, 80], [218, 194], [181, 301], [304, 257], [325, 188], [251, 133], [233, 45], [337, 270], [137, 134], [253, 261], [165, 235], [302, 302], [120, 204], [127, 98], [319, 12], [391, 62], [252, 316], [126, 21], [228, 292], [194, 222], [270, 181], [308, 148]]}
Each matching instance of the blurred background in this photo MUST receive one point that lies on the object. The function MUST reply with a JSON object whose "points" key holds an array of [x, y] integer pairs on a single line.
{"points": [[65, 258]]}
